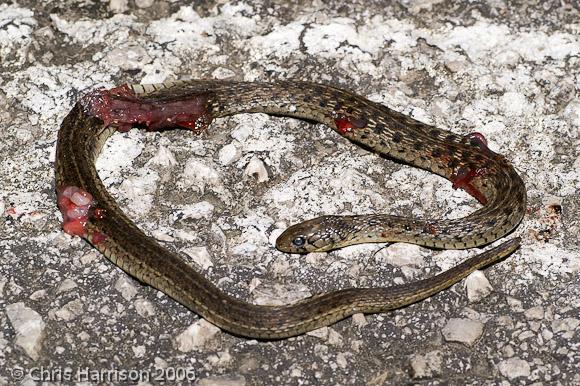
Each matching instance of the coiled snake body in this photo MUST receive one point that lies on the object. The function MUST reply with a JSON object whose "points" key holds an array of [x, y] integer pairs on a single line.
{"points": [[90, 212]]}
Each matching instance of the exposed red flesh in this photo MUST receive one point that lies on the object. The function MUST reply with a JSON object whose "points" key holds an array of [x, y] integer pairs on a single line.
{"points": [[462, 180], [76, 206], [122, 108], [347, 124], [463, 177], [98, 213], [343, 125], [98, 237]]}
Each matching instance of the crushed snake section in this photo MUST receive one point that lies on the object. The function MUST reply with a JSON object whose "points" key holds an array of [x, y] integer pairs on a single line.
{"points": [[121, 108], [90, 212]]}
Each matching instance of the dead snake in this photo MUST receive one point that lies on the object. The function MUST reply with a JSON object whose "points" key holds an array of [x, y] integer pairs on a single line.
{"points": [[90, 212]]}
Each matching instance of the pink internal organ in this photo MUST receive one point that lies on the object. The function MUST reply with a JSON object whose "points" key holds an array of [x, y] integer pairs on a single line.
{"points": [[74, 204]]}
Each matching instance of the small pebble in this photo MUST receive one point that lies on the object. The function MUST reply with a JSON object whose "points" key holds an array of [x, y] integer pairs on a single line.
{"points": [[200, 256], [196, 336], [478, 286], [144, 3], [426, 366], [119, 6], [401, 254], [229, 153], [29, 328], [125, 287], [514, 368], [66, 285], [466, 331], [536, 312], [257, 168]]}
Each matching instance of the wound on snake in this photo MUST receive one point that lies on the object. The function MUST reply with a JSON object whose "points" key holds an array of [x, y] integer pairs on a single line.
{"points": [[74, 204], [77, 206], [122, 108], [347, 124]]}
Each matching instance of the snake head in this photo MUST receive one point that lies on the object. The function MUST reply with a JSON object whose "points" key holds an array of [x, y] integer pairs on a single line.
{"points": [[317, 235]]}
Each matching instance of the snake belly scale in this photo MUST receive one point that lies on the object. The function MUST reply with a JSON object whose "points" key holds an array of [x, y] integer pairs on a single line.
{"points": [[90, 212]]}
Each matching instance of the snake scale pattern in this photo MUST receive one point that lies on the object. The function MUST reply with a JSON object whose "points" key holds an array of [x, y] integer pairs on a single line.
{"points": [[90, 212]]}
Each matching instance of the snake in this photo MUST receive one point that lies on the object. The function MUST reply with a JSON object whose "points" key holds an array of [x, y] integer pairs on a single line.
{"points": [[89, 211]]}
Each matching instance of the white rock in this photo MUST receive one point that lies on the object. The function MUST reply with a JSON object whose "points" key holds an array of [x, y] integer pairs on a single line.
{"points": [[200, 256], [478, 286], [508, 351], [515, 304], [401, 254], [163, 157], [334, 338], [195, 211], [196, 336], [222, 73], [29, 328], [144, 3], [198, 176], [359, 320], [139, 191], [410, 272], [70, 310], [36, 295], [536, 312], [547, 334], [160, 363], [341, 360], [465, 331], [426, 366], [254, 283], [90, 257], [568, 324], [118, 6], [222, 381], [66, 285], [257, 168], [131, 57], [144, 308], [320, 333], [125, 287], [139, 351], [514, 368], [161, 235], [229, 153]]}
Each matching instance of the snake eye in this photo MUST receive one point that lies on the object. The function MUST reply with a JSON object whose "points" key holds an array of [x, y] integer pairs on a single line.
{"points": [[299, 241]]}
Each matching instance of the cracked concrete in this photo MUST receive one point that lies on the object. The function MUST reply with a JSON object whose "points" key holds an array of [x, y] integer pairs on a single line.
{"points": [[510, 72]]}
